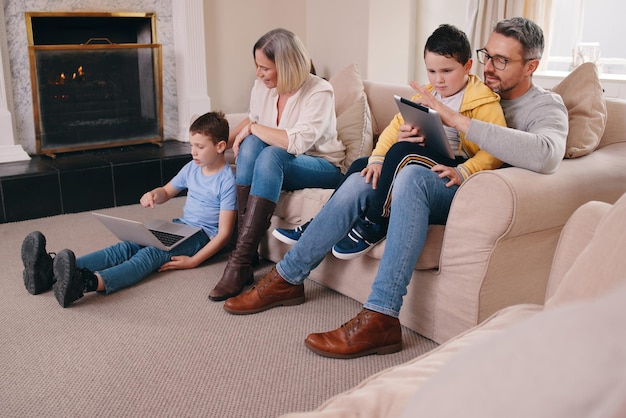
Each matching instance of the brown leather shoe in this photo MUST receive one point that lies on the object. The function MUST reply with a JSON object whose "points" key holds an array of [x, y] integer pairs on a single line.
{"points": [[367, 333], [272, 290]]}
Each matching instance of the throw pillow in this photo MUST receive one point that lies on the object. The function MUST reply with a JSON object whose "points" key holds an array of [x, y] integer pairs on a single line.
{"points": [[354, 119], [582, 94]]}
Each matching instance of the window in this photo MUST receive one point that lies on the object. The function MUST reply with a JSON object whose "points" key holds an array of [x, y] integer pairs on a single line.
{"points": [[587, 28]]}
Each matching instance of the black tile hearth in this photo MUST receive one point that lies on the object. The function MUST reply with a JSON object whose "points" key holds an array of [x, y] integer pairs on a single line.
{"points": [[131, 180], [87, 180], [31, 196]]}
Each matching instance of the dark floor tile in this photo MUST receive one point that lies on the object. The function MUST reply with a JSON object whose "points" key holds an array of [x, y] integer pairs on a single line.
{"points": [[86, 180], [31, 196], [132, 180], [3, 217], [87, 189], [172, 165], [35, 165], [129, 154]]}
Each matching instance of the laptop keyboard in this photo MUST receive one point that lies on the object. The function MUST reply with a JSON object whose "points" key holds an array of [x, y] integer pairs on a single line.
{"points": [[166, 238]]}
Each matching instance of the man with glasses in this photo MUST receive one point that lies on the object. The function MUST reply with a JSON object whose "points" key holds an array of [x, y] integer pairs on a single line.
{"points": [[538, 117], [534, 139]]}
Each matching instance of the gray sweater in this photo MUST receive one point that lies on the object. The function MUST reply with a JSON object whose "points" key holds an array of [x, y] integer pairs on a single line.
{"points": [[536, 133]]}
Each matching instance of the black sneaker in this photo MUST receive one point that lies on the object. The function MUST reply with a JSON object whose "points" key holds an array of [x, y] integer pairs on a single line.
{"points": [[361, 238], [70, 281], [37, 262], [290, 236]]}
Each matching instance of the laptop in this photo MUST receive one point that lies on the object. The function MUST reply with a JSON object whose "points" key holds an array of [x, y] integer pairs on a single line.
{"points": [[429, 124], [164, 235]]}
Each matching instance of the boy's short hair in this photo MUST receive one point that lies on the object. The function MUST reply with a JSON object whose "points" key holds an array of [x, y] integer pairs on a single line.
{"points": [[451, 42], [211, 124]]}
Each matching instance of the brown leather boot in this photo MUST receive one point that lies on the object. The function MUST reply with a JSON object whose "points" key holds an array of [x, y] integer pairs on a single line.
{"points": [[367, 333], [238, 272], [243, 192], [272, 290]]}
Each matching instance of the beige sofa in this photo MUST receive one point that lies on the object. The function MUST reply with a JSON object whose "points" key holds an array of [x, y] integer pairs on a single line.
{"points": [[502, 231], [564, 359]]}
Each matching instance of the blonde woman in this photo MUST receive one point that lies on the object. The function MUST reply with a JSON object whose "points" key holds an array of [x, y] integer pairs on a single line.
{"points": [[287, 142]]}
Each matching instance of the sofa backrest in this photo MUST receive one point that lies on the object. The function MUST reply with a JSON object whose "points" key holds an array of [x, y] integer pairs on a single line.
{"points": [[589, 260], [615, 130], [382, 105]]}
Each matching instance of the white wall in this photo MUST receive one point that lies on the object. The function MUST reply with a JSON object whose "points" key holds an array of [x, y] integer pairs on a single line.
{"points": [[382, 37], [431, 14], [336, 34], [232, 28]]}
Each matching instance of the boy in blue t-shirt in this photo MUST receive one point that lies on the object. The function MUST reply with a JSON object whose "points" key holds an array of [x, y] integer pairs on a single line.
{"points": [[210, 204]]}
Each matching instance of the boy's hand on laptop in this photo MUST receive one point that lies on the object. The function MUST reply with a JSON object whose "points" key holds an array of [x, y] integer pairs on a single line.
{"points": [[148, 200]]}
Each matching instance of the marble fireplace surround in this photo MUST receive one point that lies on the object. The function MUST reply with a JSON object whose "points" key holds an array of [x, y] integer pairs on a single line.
{"points": [[180, 29]]}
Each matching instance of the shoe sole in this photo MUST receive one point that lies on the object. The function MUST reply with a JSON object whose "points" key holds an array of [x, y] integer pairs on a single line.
{"points": [[62, 268], [224, 297], [33, 248], [283, 239], [350, 256], [289, 302], [388, 349]]}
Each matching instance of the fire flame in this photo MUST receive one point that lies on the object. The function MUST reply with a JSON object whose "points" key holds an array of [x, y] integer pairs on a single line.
{"points": [[79, 74]]}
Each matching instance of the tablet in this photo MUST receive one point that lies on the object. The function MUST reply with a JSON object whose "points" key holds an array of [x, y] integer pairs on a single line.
{"points": [[428, 122]]}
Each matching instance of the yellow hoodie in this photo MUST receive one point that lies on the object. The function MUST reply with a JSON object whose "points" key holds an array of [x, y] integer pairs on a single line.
{"points": [[479, 102]]}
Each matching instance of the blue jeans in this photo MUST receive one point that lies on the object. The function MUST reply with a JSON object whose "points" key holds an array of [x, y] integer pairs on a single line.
{"points": [[420, 198], [269, 169], [125, 263]]}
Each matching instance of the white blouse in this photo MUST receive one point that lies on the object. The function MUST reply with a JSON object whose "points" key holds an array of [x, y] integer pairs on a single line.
{"points": [[308, 118]]}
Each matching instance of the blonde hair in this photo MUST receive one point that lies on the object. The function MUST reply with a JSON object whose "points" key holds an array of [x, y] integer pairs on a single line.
{"points": [[291, 58]]}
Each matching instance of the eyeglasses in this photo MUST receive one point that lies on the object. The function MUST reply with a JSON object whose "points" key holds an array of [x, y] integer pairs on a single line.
{"points": [[498, 62]]}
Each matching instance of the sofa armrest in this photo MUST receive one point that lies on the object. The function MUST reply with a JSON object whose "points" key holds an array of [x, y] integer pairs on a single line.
{"points": [[616, 122], [575, 236], [504, 226]]}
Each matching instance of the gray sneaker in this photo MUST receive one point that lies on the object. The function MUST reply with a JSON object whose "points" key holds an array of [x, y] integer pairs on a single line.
{"points": [[37, 262]]}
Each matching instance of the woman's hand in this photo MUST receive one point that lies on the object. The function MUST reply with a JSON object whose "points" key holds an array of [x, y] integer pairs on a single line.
{"points": [[179, 262], [372, 173], [243, 133], [449, 172]]}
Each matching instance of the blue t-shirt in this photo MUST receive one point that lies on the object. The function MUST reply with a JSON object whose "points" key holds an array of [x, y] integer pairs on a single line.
{"points": [[206, 195]]}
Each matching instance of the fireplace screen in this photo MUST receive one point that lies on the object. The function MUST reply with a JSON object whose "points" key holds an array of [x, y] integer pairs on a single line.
{"points": [[95, 95]]}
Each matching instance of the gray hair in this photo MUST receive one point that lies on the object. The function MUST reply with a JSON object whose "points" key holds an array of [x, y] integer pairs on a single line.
{"points": [[527, 32]]}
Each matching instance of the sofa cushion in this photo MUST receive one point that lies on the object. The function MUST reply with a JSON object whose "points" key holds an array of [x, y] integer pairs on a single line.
{"points": [[354, 119], [429, 257], [299, 206], [385, 394], [565, 362], [582, 94]]}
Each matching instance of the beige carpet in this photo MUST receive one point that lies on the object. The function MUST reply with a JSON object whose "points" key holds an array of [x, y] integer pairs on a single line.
{"points": [[161, 348]]}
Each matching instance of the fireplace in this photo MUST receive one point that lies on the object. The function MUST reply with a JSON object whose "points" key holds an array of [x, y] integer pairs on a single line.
{"points": [[96, 80]]}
